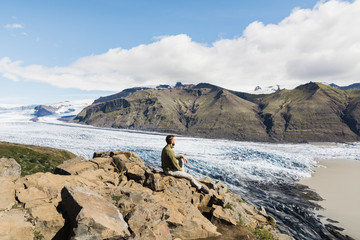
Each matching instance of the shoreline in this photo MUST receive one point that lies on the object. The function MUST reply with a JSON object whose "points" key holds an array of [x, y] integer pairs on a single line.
{"points": [[335, 180]]}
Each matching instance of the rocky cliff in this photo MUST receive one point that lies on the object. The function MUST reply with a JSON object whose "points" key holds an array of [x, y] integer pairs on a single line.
{"points": [[115, 196], [311, 112]]}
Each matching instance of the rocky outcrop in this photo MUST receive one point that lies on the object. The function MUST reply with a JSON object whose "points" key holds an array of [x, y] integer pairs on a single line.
{"points": [[43, 110], [14, 225], [10, 170], [74, 166], [115, 196], [92, 215], [7, 196], [9, 167]]}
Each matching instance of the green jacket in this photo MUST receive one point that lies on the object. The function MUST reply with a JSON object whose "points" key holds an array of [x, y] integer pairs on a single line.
{"points": [[169, 162]]}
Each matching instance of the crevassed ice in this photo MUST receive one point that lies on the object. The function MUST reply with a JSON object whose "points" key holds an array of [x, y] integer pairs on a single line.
{"points": [[230, 161]]}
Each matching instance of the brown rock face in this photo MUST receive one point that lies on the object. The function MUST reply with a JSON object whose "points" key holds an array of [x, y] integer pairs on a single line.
{"points": [[9, 168], [7, 196], [14, 225], [48, 221], [115, 196], [74, 166], [91, 215]]}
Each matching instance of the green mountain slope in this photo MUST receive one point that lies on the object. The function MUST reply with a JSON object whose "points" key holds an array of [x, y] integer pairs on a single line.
{"points": [[311, 112], [197, 111]]}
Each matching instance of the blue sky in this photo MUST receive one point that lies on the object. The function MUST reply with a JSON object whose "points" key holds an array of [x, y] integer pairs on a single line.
{"points": [[63, 50]]}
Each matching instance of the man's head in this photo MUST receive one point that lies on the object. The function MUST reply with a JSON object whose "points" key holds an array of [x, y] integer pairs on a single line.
{"points": [[170, 139]]}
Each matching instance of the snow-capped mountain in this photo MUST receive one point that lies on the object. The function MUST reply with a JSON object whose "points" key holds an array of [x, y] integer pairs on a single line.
{"points": [[266, 90], [64, 111], [353, 86]]}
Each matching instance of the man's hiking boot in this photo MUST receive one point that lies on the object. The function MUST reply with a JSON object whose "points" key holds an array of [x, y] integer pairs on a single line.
{"points": [[204, 190]]}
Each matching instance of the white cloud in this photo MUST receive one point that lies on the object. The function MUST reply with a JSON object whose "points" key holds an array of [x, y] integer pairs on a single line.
{"points": [[319, 44], [14, 26]]}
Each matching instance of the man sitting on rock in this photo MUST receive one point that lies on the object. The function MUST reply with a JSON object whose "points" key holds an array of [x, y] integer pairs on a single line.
{"points": [[174, 165]]}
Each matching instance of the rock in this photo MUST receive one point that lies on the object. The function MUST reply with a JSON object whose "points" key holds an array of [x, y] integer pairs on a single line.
{"points": [[82, 205], [201, 200], [105, 163], [208, 182], [222, 214], [75, 166], [31, 196], [51, 185], [145, 226], [154, 181], [91, 215], [192, 228], [146, 211], [262, 211], [221, 188], [130, 164], [7, 196], [9, 168], [47, 220], [179, 188], [121, 157], [100, 176], [136, 173], [104, 154], [14, 225], [217, 199]]}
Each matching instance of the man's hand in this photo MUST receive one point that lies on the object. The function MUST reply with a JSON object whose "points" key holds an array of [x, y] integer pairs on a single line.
{"points": [[185, 159]]}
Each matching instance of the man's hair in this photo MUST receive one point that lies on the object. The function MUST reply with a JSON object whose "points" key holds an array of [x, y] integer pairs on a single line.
{"points": [[169, 138]]}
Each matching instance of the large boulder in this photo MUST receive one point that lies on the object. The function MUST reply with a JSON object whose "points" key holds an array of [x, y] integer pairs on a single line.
{"points": [[131, 165], [9, 168], [49, 184], [14, 225], [31, 196], [47, 220], [7, 196], [74, 166], [222, 214], [90, 214]]}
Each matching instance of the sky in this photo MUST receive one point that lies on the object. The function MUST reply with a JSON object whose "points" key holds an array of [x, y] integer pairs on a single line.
{"points": [[54, 51]]}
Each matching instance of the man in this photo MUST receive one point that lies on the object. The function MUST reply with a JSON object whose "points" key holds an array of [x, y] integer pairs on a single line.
{"points": [[174, 165]]}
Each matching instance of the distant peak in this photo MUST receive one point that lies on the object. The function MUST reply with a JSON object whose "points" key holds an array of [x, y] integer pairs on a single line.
{"points": [[207, 85], [311, 86], [266, 90], [163, 86], [179, 84], [353, 86]]}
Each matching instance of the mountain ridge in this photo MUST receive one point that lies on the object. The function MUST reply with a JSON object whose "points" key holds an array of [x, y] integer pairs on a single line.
{"points": [[310, 112], [353, 86]]}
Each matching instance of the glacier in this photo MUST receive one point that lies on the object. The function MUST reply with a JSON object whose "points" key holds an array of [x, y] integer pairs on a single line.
{"points": [[254, 170]]}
